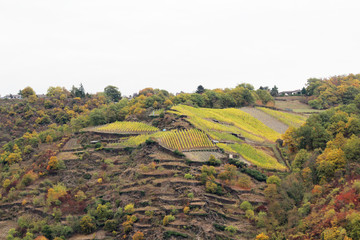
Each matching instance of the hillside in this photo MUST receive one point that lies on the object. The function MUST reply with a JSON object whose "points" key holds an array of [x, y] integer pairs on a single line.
{"points": [[125, 164], [148, 183], [159, 166]]}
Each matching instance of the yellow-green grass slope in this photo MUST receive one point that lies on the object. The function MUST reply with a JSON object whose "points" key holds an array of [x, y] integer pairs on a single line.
{"points": [[135, 141], [231, 120], [290, 119], [253, 155], [123, 128]]}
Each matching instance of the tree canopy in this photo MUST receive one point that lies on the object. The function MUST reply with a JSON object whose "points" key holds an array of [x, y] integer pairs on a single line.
{"points": [[112, 93]]}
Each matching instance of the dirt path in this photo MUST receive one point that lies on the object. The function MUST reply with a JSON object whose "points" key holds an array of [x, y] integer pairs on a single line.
{"points": [[268, 120]]}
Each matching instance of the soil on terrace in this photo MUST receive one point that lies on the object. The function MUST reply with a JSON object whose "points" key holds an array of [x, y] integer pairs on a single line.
{"points": [[268, 120]]}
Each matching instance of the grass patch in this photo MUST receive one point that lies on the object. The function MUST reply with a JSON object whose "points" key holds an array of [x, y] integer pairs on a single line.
{"points": [[135, 141], [224, 136], [254, 156], [307, 110], [123, 128], [226, 147]]}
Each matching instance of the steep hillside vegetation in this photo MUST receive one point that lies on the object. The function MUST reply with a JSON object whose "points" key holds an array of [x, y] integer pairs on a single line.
{"points": [[159, 166], [148, 190]]}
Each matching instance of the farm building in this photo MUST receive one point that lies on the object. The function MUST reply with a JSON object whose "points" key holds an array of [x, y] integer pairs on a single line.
{"points": [[290, 93]]}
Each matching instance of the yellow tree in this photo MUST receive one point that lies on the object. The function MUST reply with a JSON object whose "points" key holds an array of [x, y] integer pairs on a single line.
{"points": [[26, 92], [290, 139], [330, 161], [15, 156], [168, 103]]}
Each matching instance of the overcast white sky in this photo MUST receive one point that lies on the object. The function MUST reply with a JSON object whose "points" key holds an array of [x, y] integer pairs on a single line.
{"points": [[175, 45]]}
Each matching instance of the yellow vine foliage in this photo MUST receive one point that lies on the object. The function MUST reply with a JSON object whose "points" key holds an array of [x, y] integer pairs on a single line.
{"points": [[186, 139]]}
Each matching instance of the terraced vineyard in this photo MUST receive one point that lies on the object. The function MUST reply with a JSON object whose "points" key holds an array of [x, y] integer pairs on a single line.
{"points": [[230, 120], [123, 128], [185, 140]]}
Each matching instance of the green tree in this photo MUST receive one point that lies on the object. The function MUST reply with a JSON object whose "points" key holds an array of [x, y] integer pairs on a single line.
{"points": [[312, 86], [300, 159], [112, 93], [103, 212], [303, 91], [357, 101], [200, 89], [87, 224], [353, 225], [213, 161], [274, 91], [248, 97], [352, 149], [97, 117], [245, 205], [78, 92], [273, 179], [198, 100], [246, 86], [264, 96]]}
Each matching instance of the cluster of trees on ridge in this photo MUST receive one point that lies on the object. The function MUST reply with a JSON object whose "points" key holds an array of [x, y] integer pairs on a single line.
{"points": [[329, 92], [60, 106]]}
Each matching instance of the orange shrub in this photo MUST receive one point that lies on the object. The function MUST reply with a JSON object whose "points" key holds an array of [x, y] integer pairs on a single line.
{"points": [[138, 236], [41, 238], [317, 190]]}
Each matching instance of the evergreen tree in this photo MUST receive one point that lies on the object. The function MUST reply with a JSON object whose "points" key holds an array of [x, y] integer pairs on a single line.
{"points": [[200, 89], [274, 91], [303, 91], [112, 93]]}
